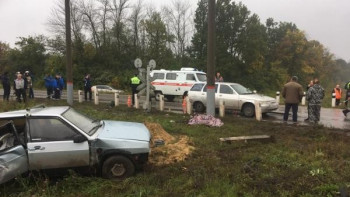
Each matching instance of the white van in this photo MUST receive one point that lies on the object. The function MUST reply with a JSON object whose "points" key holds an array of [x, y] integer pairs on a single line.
{"points": [[173, 83]]}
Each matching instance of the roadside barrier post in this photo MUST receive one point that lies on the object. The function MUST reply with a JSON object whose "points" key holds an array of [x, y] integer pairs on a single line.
{"points": [[222, 108], [303, 100], [333, 99], [258, 114], [116, 99], [161, 102], [96, 96], [188, 106], [80, 96], [137, 104], [278, 97]]}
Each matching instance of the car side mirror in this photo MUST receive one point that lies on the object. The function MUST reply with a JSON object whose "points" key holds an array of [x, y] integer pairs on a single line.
{"points": [[79, 139]]}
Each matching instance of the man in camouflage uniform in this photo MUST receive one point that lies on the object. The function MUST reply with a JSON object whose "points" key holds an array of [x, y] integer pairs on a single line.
{"points": [[314, 96]]}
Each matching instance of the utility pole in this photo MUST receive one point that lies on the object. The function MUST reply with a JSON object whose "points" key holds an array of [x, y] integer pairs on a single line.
{"points": [[211, 59], [69, 72]]}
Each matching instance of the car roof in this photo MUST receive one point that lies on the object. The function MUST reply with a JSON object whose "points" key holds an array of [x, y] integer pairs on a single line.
{"points": [[45, 111]]}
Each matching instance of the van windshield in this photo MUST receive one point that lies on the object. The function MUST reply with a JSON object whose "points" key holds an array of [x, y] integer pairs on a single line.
{"points": [[201, 77]]}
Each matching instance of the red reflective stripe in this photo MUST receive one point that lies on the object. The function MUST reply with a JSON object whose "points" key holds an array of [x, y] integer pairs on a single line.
{"points": [[69, 82], [210, 87], [171, 84]]}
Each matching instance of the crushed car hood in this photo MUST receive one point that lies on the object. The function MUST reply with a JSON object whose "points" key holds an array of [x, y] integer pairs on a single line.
{"points": [[124, 130]]}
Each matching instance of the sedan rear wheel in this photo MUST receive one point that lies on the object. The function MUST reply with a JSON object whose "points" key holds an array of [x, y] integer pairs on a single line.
{"points": [[198, 106], [248, 110], [117, 167]]}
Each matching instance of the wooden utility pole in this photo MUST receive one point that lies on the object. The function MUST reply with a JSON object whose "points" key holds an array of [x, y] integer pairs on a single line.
{"points": [[69, 72], [211, 59]]}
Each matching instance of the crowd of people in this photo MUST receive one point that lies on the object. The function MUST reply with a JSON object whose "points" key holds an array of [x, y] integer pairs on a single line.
{"points": [[293, 94], [21, 84], [54, 86]]}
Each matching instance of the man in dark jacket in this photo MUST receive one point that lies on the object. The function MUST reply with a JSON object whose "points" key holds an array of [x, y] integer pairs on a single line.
{"points": [[292, 93], [48, 84], [87, 87], [6, 85]]}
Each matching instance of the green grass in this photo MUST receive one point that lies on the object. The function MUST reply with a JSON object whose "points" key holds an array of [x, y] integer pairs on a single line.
{"points": [[300, 161]]}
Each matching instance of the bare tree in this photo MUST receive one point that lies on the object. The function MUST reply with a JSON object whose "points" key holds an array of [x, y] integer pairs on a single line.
{"points": [[118, 8], [105, 18], [178, 18], [135, 19], [90, 15], [57, 22]]}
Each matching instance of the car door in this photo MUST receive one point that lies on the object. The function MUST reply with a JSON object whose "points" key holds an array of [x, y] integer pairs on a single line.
{"points": [[51, 144], [230, 97], [13, 157]]}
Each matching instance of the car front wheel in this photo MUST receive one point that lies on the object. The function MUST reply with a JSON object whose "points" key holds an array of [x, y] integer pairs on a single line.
{"points": [[248, 110], [117, 167], [198, 106]]}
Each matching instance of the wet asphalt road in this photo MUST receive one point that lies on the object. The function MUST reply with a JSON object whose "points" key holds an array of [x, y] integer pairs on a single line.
{"points": [[330, 117]]}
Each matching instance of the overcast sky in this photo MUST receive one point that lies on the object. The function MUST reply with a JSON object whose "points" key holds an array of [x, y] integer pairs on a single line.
{"points": [[322, 20]]}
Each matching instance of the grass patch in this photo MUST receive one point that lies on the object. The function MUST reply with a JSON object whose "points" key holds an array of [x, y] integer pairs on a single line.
{"points": [[301, 161]]}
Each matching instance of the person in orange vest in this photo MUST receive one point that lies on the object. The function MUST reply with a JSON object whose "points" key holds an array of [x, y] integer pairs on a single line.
{"points": [[337, 90]]}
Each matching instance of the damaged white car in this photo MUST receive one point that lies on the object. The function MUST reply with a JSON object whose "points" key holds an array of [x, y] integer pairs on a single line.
{"points": [[60, 137]]}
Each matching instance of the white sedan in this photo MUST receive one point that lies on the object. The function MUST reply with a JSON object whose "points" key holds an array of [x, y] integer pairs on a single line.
{"points": [[235, 96], [105, 88]]}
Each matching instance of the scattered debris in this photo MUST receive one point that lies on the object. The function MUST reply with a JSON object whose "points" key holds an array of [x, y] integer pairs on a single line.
{"points": [[245, 138], [174, 149], [205, 119]]}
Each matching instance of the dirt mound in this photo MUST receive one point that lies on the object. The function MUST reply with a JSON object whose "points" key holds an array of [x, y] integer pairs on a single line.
{"points": [[175, 149]]}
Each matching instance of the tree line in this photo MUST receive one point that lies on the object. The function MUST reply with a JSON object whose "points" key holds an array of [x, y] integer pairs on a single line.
{"points": [[108, 35]]}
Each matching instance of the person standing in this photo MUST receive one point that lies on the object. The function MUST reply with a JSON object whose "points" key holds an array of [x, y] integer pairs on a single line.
{"points": [[19, 85], [314, 96], [30, 84], [338, 92], [347, 94], [87, 87], [307, 88], [134, 83], [6, 85], [219, 78], [292, 93], [48, 84]]}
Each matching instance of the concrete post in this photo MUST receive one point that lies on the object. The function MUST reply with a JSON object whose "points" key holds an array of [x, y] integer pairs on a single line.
{"points": [[188, 105], [161, 102], [222, 108], [80, 96], [258, 114], [137, 104], [333, 99], [116, 99], [96, 96], [278, 97], [303, 100]]}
